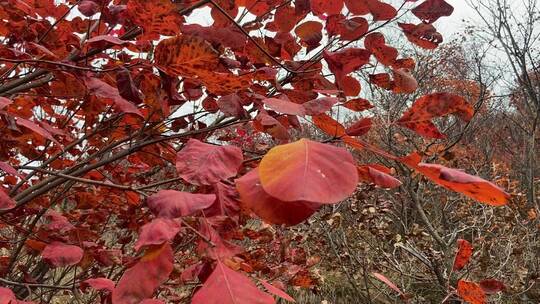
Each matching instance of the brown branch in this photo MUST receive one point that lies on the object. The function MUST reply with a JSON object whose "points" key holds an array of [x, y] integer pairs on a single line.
{"points": [[35, 285]]}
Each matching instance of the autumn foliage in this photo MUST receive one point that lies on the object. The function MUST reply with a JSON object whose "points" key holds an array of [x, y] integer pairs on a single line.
{"points": [[139, 147]]}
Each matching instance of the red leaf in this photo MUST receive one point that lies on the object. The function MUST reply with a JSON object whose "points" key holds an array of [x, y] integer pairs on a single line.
{"points": [[157, 232], [103, 40], [346, 61], [329, 125], [491, 286], [60, 254], [350, 86], [459, 181], [152, 301], [310, 32], [329, 7], [9, 169], [285, 18], [358, 105], [463, 255], [98, 284], [471, 292], [431, 10], [376, 44], [4, 102], [141, 281], [104, 90], [172, 203], [381, 11], [266, 123], [127, 88], [204, 164], [418, 117], [221, 249], [227, 201], [379, 178], [276, 291], [88, 8], [360, 127], [58, 222], [320, 105], [390, 284], [424, 35], [231, 105], [226, 286], [348, 29], [35, 128], [270, 209], [404, 82], [308, 171], [7, 296], [284, 106], [382, 80], [357, 7]]}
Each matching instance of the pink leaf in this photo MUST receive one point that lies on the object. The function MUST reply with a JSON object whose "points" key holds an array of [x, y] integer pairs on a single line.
{"points": [[141, 281], [276, 291], [4, 102], [35, 128], [6, 202], [104, 90], [203, 164], [7, 296], [226, 286], [268, 208], [60, 254], [320, 105], [172, 203], [9, 169], [360, 127], [390, 284], [157, 232], [104, 39], [99, 284], [127, 88], [285, 106], [380, 178]]}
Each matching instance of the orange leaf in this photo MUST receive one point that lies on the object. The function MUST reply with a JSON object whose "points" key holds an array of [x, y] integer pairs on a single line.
{"points": [[418, 117], [459, 181], [185, 54], [329, 125], [463, 255], [308, 171], [471, 292]]}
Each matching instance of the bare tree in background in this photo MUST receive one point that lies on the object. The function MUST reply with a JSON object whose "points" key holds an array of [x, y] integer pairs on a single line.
{"points": [[512, 29]]}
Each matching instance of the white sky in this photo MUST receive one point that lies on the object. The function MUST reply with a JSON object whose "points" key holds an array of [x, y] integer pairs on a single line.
{"points": [[454, 24]]}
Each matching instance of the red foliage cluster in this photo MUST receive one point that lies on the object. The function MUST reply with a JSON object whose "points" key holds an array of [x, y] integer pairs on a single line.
{"points": [[99, 98]]}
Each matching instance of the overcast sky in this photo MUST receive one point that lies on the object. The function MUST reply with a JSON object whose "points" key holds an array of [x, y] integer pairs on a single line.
{"points": [[454, 24], [446, 25]]}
